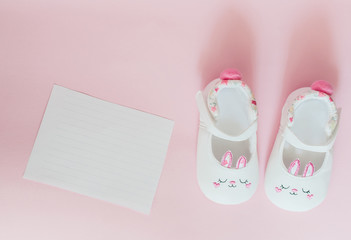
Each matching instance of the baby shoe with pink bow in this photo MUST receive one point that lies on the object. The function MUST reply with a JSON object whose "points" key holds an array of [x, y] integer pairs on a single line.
{"points": [[298, 171], [227, 165]]}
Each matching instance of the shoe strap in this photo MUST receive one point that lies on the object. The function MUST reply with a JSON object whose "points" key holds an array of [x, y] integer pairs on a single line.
{"points": [[207, 122], [296, 142]]}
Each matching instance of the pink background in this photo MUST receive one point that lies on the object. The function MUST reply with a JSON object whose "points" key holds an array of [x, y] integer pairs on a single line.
{"points": [[155, 55]]}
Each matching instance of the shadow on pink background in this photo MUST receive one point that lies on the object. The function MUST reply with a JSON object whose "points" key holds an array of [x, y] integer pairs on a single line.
{"points": [[228, 45], [310, 58], [154, 56]]}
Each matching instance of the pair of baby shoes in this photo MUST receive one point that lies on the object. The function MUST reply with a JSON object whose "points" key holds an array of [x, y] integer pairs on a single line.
{"points": [[299, 167]]}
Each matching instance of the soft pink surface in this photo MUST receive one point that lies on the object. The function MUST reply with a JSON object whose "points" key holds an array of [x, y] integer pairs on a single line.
{"points": [[155, 55]]}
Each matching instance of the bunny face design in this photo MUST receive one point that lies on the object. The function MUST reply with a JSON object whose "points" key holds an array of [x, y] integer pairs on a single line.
{"points": [[294, 192], [227, 161], [231, 183], [294, 170]]}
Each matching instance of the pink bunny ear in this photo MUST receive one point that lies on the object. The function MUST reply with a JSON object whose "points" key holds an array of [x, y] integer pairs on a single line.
{"points": [[241, 163], [227, 159], [294, 167], [309, 170]]}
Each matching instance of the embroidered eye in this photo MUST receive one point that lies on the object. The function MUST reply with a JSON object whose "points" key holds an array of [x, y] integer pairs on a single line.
{"points": [[308, 191], [220, 181], [244, 182], [284, 187]]}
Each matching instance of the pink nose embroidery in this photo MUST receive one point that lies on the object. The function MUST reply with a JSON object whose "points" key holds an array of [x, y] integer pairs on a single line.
{"points": [[215, 184], [294, 190], [278, 190], [248, 185], [232, 182], [310, 196]]}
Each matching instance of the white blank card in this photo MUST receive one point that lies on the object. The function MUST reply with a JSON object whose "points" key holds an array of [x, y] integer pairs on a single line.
{"points": [[100, 149]]}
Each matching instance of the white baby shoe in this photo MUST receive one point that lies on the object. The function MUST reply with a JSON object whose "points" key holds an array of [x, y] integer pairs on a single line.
{"points": [[298, 171], [227, 165]]}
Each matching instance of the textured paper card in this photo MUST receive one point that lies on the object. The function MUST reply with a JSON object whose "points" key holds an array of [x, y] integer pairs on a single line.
{"points": [[100, 149]]}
